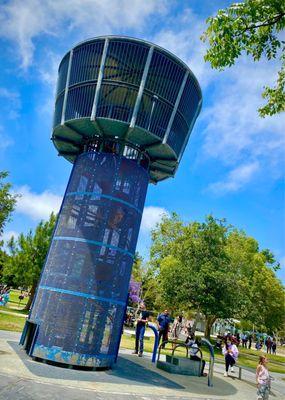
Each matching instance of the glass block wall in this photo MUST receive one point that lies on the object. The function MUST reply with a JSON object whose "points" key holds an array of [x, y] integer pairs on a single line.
{"points": [[81, 299]]}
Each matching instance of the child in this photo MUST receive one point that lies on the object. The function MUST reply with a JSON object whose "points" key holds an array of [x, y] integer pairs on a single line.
{"points": [[262, 379]]}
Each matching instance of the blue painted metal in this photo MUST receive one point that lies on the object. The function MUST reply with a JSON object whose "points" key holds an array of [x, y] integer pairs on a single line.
{"points": [[24, 333], [101, 244], [97, 195], [80, 294], [156, 341], [81, 298], [212, 360], [122, 328]]}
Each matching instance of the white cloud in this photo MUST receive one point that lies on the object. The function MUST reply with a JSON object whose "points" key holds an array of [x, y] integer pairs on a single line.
{"points": [[37, 205], [24, 21], [10, 103], [232, 131], [151, 216], [236, 179], [7, 235], [186, 44]]}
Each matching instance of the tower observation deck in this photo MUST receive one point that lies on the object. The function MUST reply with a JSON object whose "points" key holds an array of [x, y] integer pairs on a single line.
{"points": [[124, 112]]}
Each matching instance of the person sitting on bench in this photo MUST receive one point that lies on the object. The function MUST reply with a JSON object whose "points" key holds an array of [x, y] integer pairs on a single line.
{"points": [[194, 351]]}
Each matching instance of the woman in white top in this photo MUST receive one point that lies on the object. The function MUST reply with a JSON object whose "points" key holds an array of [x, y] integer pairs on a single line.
{"points": [[262, 379]]}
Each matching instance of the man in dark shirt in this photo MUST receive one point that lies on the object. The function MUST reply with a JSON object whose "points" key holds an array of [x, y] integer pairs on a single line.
{"points": [[163, 326], [140, 329]]}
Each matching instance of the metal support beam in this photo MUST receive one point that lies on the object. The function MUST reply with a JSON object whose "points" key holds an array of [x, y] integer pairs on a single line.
{"points": [[175, 108], [66, 87], [141, 89], [99, 81]]}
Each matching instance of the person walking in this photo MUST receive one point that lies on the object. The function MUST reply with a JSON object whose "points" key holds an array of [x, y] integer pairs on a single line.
{"points": [[140, 329], [163, 321], [176, 329], [230, 351], [262, 379]]}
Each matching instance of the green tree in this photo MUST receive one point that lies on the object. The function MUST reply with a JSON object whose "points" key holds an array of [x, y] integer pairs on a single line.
{"points": [[198, 274], [252, 27], [137, 269], [214, 269], [265, 293], [27, 256], [7, 201], [169, 229]]}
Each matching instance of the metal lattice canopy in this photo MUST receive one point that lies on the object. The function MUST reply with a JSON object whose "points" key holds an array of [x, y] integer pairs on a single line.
{"points": [[129, 90]]}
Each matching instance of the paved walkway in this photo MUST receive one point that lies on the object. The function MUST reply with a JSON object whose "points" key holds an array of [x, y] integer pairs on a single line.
{"points": [[132, 378]]}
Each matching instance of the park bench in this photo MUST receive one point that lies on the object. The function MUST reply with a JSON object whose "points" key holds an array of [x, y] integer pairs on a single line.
{"points": [[180, 365]]}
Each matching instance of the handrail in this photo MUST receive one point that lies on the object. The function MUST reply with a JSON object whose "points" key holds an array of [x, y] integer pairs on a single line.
{"points": [[156, 340], [212, 360]]}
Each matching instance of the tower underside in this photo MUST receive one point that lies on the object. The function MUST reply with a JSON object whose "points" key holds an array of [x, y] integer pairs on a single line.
{"points": [[81, 299]]}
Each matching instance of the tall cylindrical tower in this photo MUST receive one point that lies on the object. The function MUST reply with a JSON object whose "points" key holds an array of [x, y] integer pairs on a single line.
{"points": [[123, 114]]}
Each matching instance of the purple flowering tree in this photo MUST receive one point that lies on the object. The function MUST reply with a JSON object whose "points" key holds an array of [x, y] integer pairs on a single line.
{"points": [[135, 291]]}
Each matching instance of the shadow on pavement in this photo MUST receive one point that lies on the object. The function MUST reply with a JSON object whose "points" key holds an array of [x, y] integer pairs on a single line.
{"points": [[125, 372], [128, 372]]}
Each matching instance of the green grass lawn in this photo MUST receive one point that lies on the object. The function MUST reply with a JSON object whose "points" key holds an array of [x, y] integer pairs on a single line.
{"points": [[247, 358], [14, 305], [14, 299], [11, 323]]}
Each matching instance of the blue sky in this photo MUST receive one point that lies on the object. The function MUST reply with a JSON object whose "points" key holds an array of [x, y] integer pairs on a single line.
{"points": [[233, 166]]}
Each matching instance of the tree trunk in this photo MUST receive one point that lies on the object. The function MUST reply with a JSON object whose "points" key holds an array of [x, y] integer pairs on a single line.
{"points": [[197, 318], [32, 295], [210, 319]]}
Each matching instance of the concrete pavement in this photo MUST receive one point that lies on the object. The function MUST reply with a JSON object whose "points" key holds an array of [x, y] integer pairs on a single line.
{"points": [[132, 378]]}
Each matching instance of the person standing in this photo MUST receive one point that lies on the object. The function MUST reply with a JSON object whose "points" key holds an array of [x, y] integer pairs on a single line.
{"points": [[249, 340], [163, 326], [140, 329], [262, 379], [242, 339], [230, 351], [176, 329], [268, 345], [274, 346]]}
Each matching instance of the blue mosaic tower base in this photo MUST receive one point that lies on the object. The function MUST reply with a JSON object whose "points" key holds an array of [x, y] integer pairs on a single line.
{"points": [[80, 302]]}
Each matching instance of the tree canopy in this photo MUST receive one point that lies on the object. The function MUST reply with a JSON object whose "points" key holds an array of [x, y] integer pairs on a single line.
{"points": [[252, 27], [7, 201], [27, 256], [216, 270]]}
